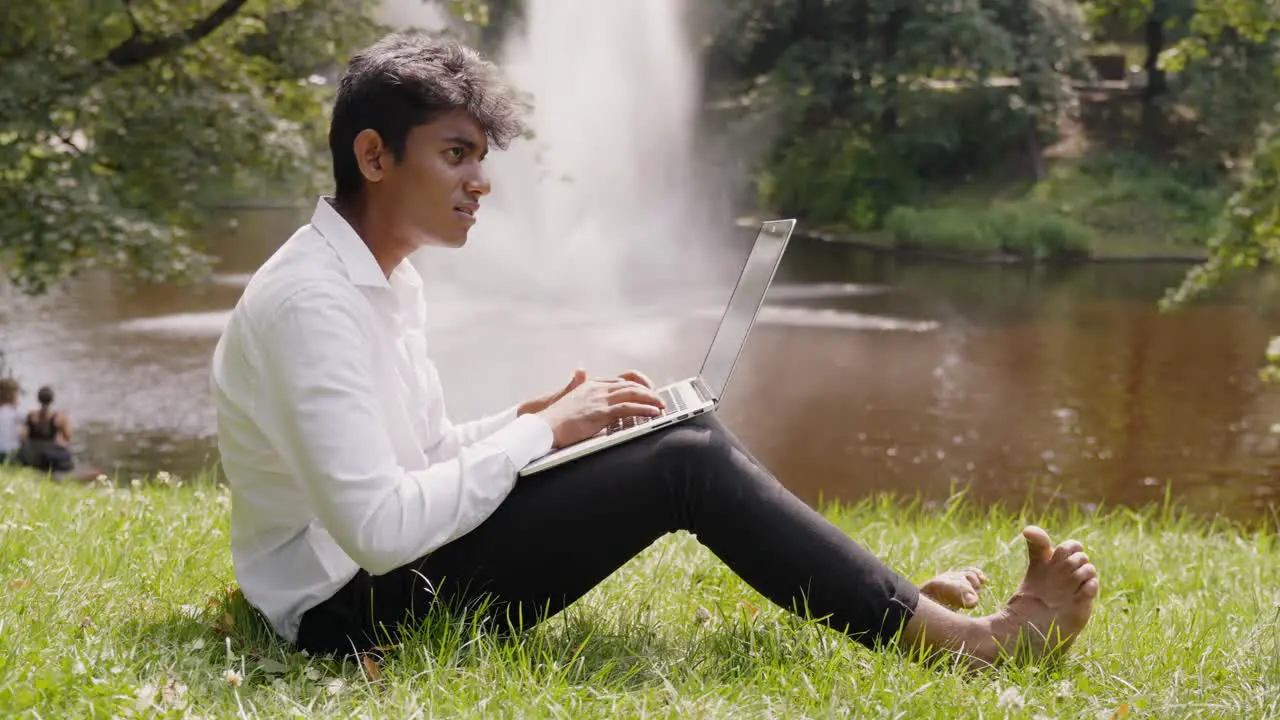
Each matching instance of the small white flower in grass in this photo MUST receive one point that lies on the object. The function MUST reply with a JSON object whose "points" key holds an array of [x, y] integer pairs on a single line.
{"points": [[279, 686], [8, 490], [100, 479], [135, 483], [312, 674], [174, 695], [702, 615], [1064, 689], [189, 611], [334, 686], [232, 678], [146, 697], [1011, 698], [163, 477], [197, 644], [78, 668]]}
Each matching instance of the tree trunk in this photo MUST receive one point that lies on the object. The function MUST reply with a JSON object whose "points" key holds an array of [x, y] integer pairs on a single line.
{"points": [[890, 34], [1157, 82], [1035, 153]]}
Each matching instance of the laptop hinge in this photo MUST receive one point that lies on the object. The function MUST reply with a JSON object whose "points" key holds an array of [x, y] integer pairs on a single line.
{"points": [[703, 391]]}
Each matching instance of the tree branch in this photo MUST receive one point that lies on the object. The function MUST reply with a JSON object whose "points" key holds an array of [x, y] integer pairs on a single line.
{"points": [[139, 49], [133, 19]]}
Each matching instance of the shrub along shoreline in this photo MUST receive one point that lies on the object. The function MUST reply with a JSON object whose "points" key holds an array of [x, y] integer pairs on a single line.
{"points": [[884, 241]]}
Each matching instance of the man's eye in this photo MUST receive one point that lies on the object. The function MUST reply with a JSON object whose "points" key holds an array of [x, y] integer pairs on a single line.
{"points": [[455, 153]]}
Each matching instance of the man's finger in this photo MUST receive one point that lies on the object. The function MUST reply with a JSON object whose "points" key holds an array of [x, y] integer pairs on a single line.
{"points": [[636, 376], [579, 377], [630, 409], [635, 393]]}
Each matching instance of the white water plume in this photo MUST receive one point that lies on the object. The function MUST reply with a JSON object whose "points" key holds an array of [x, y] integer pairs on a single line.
{"points": [[614, 195]]}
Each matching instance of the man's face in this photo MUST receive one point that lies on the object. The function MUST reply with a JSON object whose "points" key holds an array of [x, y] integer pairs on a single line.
{"points": [[435, 188]]}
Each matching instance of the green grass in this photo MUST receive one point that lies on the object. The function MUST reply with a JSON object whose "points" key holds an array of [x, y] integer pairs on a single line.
{"points": [[1105, 207], [1017, 229], [114, 602], [1132, 206]]}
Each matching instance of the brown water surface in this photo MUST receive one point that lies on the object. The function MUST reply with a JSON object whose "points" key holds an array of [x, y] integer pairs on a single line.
{"points": [[867, 372]]}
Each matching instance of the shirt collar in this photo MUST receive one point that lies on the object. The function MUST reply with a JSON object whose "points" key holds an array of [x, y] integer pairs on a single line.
{"points": [[355, 256]]}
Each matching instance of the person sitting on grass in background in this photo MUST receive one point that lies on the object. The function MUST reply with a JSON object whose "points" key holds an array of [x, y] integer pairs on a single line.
{"points": [[10, 435], [358, 505], [46, 441]]}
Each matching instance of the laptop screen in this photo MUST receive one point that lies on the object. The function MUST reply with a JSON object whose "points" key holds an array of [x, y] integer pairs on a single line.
{"points": [[748, 296]]}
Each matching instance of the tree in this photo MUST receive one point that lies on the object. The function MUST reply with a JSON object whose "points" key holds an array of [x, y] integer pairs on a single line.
{"points": [[1250, 231], [1157, 21], [119, 119], [877, 96]]}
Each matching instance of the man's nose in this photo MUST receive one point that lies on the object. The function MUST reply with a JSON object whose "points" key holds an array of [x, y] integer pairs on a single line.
{"points": [[478, 183]]}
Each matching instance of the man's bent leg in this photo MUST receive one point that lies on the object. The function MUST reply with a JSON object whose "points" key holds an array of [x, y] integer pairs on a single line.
{"points": [[562, 532]]}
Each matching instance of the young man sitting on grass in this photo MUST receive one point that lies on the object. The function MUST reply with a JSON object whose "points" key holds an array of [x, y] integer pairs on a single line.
{"points": [[357, 504]]}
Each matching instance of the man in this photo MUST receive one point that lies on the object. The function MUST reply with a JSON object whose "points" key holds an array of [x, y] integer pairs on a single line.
{"points": [[357, 504]]}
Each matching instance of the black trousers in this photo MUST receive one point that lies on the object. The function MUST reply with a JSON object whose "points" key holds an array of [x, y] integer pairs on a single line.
{"points": [[563, 531]]}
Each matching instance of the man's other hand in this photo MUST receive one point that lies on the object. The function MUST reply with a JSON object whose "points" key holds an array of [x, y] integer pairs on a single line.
{"points": [[543, 402], [585, 407]]}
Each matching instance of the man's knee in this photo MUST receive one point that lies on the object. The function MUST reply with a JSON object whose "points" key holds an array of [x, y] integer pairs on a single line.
{"points": [[697, 444]]}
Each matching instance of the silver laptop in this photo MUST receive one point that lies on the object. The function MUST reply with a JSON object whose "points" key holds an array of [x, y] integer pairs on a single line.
{"points": [[696, 395]]}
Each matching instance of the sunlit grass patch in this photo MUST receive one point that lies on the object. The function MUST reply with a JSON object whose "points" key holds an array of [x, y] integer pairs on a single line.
{"points": [[121, 600]]}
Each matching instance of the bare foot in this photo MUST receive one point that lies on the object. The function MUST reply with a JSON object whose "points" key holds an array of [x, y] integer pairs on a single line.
{"points": [[1050, 608], [956, 589]]}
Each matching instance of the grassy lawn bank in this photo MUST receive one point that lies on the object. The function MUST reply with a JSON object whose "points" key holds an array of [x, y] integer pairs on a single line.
{"points": [[113, 602], [1085, 208]]}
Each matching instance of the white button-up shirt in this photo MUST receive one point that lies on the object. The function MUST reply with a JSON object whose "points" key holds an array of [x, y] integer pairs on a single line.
{"points": [[332, 426]]}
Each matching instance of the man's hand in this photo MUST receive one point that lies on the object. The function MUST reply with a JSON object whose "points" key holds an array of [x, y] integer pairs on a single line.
{"points": [[543, 402], [585, 407]]}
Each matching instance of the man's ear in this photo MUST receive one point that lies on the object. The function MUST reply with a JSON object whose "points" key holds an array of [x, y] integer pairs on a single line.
{"points": [[371, 155]]}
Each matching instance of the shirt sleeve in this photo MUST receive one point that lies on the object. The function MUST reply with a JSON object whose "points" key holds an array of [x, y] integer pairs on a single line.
{"points": [[455, 437], [318, 395]]}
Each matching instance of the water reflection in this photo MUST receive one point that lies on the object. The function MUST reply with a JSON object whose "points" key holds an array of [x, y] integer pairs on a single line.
{"points": [[868, 373]]}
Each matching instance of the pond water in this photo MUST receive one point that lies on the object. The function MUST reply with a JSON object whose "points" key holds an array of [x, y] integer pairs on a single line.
{"points": [[867, 373]]}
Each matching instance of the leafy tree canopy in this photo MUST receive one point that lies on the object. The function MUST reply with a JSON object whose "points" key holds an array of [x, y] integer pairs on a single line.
{"points": [[121, 117]]}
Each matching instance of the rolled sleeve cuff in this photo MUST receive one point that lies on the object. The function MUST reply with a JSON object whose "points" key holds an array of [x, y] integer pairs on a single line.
{"points": [[524, 439]]}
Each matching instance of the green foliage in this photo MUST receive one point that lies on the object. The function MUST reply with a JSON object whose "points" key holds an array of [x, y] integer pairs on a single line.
{"points": [[856, 61], [880, 97], [1127, 17], [836, 176], [840, 175], [1020, 229], [1230, 92], [1127, 196], [946, 229], [120, 118], [1250, 233]]}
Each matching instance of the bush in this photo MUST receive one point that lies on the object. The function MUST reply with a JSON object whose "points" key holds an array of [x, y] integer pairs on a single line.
{"points": [[1123, 195], [1020, 229], [941, 229], [836, 177], [850, 177]]}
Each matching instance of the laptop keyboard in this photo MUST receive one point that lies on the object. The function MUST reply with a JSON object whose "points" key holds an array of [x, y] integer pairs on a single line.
{"points": [[674, 405]]}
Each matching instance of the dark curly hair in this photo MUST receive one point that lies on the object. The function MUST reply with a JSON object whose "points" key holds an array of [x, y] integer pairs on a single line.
{"points": [[406, 80]]}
